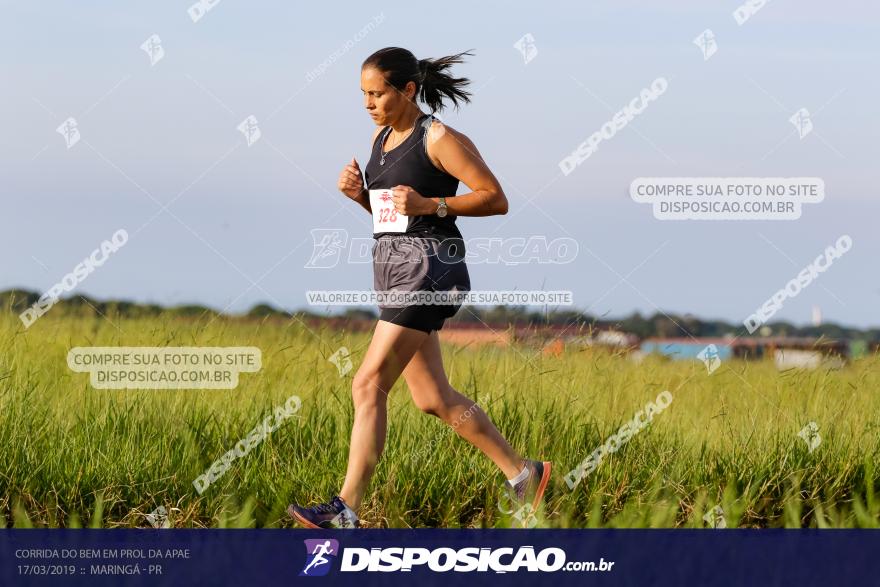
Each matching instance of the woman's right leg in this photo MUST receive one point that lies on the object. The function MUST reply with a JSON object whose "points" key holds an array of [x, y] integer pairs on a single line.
{"points": [[391, 348], [432, 393]]}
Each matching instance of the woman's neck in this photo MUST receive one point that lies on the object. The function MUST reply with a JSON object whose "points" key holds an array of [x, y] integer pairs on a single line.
{"points": [[406, 120]]}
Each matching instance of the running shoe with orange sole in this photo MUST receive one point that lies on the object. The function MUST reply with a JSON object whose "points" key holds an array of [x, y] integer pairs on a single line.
{"points": [[531, 489], [331, 515]]}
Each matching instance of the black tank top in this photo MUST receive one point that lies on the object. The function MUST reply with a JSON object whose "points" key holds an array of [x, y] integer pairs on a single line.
{"points": [[408, 164]]}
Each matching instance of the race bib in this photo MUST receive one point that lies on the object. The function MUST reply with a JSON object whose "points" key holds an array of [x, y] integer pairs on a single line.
{"points": [[385, 217]]}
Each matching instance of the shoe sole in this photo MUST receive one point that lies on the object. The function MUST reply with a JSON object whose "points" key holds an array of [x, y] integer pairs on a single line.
{"points": [[545, 478], [302, 520]]}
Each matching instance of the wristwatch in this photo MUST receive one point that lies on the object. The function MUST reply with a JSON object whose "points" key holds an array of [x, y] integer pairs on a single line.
{"points": [[441, 208]]}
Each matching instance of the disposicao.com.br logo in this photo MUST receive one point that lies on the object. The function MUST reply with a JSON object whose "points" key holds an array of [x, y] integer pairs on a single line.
{"points": [[321, 552]]}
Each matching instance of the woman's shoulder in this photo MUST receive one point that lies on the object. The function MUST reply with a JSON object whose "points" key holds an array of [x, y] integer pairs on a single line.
{"points": [[434, 128], [439, 134], [442, 141]]}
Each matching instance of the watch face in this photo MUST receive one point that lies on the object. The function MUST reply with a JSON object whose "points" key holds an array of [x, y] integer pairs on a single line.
{"points": [[441, 211]]}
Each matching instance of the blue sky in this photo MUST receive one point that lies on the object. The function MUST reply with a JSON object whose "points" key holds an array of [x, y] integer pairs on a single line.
{"points": [[243, 214]]}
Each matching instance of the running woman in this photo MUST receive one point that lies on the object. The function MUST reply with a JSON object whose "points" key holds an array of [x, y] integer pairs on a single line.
{"points": [[418, 161]]}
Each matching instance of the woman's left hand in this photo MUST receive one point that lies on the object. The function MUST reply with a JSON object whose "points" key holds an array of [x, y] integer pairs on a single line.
{"points": [[409, 202]]}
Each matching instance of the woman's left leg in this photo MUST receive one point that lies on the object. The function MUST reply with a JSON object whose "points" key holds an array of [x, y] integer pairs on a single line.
{"points": [[390, 349]]}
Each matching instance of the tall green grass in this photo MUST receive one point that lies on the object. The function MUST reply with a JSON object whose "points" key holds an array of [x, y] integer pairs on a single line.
{"points": [[73, 456]]}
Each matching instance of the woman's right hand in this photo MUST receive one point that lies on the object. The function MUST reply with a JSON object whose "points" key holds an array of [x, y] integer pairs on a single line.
{"points": [[351, 183]]}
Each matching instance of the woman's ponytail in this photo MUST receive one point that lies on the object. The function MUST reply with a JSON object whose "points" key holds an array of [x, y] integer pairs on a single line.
{"points": [[437, 83], [431, 76]]}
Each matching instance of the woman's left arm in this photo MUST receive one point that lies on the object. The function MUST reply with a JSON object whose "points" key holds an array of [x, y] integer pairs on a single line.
{"points": [[454, 153]]}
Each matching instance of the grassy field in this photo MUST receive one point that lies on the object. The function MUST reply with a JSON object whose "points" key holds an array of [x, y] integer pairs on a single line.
{"points": [[76, 456]]}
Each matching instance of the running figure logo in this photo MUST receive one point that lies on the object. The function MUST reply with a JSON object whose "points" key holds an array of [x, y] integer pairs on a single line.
{"points": [[526, 46], [70, 131], [250, 128], [707, 44], [153, 48], [328, 244], [802, 122], [317, 553], [710, 358]]}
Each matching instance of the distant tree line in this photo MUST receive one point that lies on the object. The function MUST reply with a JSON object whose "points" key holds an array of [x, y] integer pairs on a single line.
{"points": [[658, 324]]}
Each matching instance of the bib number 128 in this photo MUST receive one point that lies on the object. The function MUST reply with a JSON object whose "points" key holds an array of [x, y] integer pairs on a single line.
{"points": [[386, 218]]}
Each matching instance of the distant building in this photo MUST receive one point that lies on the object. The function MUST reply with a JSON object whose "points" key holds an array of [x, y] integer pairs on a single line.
{"points": [[787, 352], [615, 338], [555, 338], [805, 359], [686, 348]]}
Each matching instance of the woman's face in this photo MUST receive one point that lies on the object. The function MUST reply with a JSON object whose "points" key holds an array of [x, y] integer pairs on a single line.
{"points": [[382, 101]]}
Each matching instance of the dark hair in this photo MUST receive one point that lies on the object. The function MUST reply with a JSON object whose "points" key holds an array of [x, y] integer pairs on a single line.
{"points": [[400, 66]]}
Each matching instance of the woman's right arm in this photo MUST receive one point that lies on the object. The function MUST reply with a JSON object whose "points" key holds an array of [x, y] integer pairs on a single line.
{"points": [[351, 181]]}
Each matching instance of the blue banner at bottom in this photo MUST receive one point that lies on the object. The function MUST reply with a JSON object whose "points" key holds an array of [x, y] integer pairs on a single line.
{"points": [[435, 557]]}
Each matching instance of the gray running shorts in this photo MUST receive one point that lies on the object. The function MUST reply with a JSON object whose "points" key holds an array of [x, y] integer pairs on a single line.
{"points": [[405, 263]]}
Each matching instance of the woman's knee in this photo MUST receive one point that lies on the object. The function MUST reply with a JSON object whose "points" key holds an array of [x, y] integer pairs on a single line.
{"points": [[367, 389], [434, 400]]}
